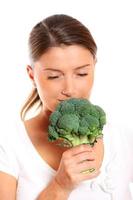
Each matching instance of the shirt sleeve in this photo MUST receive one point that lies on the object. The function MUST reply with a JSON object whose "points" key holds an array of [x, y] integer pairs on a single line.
{"points": [[128, 138], [130, 150], [8, 160]]}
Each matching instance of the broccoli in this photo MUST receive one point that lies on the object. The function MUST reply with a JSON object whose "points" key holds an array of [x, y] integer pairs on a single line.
{"points": [[76, 121]]}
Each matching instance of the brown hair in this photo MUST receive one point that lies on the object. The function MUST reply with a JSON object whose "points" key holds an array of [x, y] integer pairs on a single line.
{"points": [[54, 31]]}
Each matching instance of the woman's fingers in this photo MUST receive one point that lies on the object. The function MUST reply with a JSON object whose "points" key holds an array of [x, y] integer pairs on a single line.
{"points": [[84, 156], [88, 175], [85, 165], [77, 149]]}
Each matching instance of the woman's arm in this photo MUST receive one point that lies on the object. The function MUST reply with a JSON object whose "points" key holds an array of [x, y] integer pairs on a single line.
{"points": [[54, 191], [8, 185]]}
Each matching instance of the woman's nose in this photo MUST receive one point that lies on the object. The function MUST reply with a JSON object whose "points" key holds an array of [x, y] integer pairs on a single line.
{"points": [[68, 87]]}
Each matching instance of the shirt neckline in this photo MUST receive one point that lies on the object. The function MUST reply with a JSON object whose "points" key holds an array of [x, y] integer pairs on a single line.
{"points": [[35, 152]]}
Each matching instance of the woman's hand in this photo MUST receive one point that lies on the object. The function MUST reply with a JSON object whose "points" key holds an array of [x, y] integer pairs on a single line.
{"points": [[75, 161]]}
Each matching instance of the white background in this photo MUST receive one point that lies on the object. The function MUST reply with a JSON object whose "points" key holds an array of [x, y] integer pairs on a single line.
{"points": [[111, 24]]}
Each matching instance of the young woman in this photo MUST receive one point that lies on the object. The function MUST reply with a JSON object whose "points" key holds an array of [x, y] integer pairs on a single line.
{"points": [[63, 58]]}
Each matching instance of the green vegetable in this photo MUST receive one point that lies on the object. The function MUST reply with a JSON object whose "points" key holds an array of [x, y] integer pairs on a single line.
{"points": [[76, 121]]}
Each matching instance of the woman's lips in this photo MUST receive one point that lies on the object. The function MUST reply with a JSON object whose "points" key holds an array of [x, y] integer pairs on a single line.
{"points": [[60, 100]]}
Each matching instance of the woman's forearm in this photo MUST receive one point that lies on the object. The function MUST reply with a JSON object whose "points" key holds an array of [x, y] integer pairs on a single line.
{"points": [[53, 191]]}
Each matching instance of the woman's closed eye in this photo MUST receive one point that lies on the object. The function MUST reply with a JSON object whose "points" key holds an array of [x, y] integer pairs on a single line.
{"points": [[55, 77], [82, 74]]}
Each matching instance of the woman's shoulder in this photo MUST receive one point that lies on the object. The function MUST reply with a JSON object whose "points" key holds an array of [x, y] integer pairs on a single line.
{"points": [[118, 148], [8, 153], [119, 135], [12, 133], [117, 139]]}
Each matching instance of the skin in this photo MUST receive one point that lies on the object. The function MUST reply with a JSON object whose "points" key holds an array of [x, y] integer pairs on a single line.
{"points": [[62, 73], [67, 82]]}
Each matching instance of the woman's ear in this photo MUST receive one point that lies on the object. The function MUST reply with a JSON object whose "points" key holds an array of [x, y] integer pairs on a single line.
{"points": [[31, 74]]}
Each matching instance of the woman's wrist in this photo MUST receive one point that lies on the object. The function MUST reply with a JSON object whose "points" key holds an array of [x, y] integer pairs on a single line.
{"points": [[54, 191], [61, 191]]}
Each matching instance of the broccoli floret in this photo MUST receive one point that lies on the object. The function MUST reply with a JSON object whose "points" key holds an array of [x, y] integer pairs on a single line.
{"points": [[76, 121], [54, 117], [68, 122]]}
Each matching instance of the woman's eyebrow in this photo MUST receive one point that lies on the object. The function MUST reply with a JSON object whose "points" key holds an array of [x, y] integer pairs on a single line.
{"points": [[53, 69]]}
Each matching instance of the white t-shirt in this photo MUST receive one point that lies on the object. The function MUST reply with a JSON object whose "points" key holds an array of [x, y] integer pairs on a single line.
{"points": [[19, 158]]}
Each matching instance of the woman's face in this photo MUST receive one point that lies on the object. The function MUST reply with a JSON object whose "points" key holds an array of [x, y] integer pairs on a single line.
{"points": [[61, 73]]}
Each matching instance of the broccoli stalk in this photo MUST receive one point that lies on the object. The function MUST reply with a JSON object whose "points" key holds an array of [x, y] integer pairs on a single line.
{"points": [[76, 121]]}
